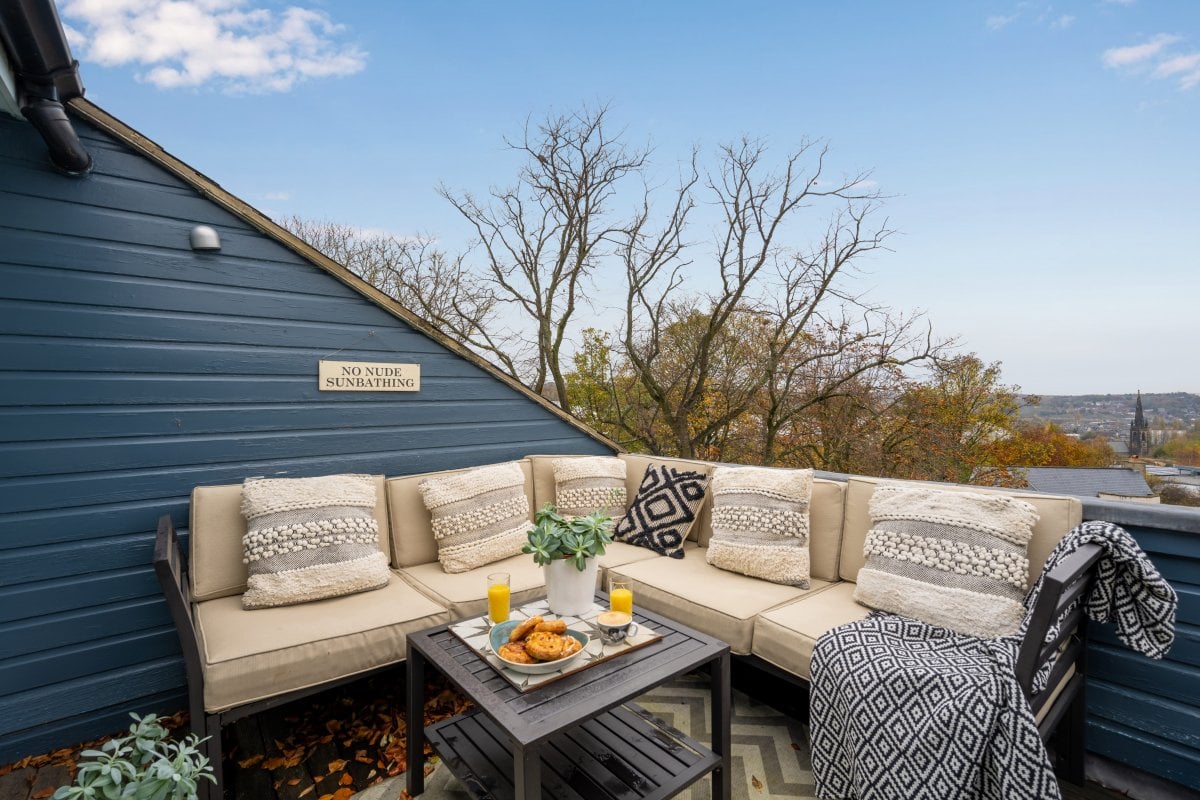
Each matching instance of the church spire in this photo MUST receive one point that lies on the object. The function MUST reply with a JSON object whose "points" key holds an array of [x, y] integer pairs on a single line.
{"points": [[1139, 431]]}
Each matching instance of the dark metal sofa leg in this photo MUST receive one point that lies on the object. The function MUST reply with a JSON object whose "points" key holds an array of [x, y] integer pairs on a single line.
{"points": [[1073, 730], [212, 749]]}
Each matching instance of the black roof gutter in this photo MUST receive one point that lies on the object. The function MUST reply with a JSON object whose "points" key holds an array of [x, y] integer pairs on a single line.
{"points": [[47, 76]]}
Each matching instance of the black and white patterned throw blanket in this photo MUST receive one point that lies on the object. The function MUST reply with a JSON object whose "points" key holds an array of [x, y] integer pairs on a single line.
{"points": [[902, 709]]}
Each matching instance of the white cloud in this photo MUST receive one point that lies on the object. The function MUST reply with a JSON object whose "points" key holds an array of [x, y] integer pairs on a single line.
{"points": [[277, 196], [1186, 67], [1138, 53], [186, 43], [1181, 67], [997, 22], [1063, 22]]}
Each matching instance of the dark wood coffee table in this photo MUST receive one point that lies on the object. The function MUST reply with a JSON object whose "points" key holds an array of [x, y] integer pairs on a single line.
{"points": [[577, 737]]}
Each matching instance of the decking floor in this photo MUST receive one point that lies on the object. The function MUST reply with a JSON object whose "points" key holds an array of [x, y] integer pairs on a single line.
{"points": [[326, 747]]}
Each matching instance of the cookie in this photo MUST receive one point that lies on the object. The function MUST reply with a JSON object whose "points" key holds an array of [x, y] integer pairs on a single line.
{"points": [[544, 646], [515, 652], [519, 632]]}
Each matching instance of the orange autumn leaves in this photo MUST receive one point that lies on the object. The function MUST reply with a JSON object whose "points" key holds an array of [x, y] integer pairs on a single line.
{"points": [[340, 743]]}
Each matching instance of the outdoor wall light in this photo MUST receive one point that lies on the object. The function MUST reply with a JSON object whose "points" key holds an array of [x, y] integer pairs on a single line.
{"points": [[205, 239]]}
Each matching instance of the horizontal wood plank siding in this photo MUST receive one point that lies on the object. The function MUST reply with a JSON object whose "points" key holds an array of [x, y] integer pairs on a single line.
{"points": [[135, 369], [1144, 712]]}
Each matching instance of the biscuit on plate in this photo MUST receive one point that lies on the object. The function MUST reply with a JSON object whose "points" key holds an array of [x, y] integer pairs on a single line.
{"points": [[544, 646], [518, 633]]}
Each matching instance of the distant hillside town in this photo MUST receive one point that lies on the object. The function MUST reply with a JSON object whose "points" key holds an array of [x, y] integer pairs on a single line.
{"points": [[1166, 416]]}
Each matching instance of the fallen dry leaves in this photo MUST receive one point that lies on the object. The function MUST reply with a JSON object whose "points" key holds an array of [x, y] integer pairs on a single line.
{"points": [[363, 723], [68, 756]]}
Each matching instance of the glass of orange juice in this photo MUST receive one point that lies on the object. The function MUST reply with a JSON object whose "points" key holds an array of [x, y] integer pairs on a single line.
{"points": [[498, 594], [620, 597]]}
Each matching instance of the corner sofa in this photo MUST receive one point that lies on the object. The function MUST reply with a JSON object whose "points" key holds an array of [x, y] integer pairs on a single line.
{"points": [[241, 661]]}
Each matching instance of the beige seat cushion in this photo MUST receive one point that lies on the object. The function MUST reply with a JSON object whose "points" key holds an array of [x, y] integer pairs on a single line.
{"points": [[215, 539], [618, 554], [252, 655], [785, 636], [692, 591], [465, 593], [412, 524], [1056, 516]]}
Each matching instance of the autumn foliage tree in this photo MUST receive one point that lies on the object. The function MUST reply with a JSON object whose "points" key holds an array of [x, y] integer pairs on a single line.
{"points": [[745, 335]]}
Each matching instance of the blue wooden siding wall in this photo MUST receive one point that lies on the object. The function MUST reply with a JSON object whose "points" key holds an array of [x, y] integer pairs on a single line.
{"points": [[1142, 712], [134, 369]]}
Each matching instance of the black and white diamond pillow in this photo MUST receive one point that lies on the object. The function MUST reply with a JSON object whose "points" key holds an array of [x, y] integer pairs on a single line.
{"points": [[667, 504]]}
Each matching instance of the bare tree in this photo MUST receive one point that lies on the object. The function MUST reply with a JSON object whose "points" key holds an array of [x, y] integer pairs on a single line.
{"points": [[421, 277], [797, 295], [542, 237]]}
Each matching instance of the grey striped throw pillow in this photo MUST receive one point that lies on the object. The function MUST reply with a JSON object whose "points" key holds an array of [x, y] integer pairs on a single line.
{"points": [[310, 539], [479, 516], [954, 559], [760, 523]]}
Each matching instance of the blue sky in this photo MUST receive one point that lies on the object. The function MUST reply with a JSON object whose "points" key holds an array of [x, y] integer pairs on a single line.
{"points": [[1041, 159]]}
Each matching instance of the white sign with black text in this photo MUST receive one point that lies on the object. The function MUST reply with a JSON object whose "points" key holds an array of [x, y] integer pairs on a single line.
{"points": [[366, 376]]}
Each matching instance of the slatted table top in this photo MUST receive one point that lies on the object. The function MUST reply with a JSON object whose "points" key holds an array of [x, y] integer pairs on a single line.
{"points": [[535, 715]]}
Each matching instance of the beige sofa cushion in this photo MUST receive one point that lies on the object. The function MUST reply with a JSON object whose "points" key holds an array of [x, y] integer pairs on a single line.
{"points": [[1056, 516], [465, 593], [785, 636], [412, 541], [618, 554], [215, 539], [692, 591], [252, 655], [825, 512]]}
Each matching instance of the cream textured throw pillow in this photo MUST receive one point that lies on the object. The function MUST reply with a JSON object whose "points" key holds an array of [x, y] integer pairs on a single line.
{"points": [[954, 559], [760, 523], [479, 516], [584, 485], [310, 538]]}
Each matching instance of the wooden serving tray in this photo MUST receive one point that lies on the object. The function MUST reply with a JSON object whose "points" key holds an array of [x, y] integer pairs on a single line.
{"points": [[474, 632]]}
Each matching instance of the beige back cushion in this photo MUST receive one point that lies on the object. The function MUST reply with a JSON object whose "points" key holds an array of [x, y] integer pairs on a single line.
{"points": [[1056, 516], [216, 530], [825, 528], [412, 524]]}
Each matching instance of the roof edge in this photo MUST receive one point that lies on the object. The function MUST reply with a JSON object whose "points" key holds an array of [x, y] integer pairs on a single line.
{"points": [[211, 190]]}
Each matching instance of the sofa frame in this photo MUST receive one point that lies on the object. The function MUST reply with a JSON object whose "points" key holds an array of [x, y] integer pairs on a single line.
{"points": [[1062, 704]]}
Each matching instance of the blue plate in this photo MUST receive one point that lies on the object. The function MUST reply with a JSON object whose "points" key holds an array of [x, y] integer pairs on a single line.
{"points": [[499, 636]]}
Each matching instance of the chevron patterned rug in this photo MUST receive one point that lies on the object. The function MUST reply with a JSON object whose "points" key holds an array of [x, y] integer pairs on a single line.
{"points": [[770, 750]]}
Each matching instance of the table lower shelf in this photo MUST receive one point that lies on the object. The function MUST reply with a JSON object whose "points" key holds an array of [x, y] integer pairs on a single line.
{"points": [[623, 754]]}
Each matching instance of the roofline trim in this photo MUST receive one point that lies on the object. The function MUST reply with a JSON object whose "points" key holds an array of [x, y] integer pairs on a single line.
{"points": [[211, 190]]}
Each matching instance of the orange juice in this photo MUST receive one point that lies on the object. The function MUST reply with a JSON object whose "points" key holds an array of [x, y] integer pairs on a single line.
{"points": [[498, 602], [621, 600]]}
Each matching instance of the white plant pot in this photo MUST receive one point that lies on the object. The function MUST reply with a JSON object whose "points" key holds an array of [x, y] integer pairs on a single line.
{"points": [[569, 591]]}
